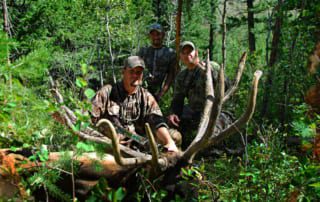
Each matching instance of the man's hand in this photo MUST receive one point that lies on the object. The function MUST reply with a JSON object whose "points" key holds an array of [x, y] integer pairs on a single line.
{"points": [[171, 147], [174, 120]]}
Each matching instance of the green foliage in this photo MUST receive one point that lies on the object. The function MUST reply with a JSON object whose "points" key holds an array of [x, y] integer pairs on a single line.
{"points": [[70, 40], [46, 178], [84, 147], [268, 173], [303, 125], [102, 192]]}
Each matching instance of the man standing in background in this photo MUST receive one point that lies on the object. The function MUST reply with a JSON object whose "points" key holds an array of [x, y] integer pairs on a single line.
{"points": [[160, 62]]}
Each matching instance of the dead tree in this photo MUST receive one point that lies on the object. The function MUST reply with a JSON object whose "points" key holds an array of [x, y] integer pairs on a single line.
{"points": [[123, 162]]}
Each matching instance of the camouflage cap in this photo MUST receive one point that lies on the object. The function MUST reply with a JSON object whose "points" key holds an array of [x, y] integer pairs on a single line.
{"points": [[156, 26], [134, 61], [187, 43]]}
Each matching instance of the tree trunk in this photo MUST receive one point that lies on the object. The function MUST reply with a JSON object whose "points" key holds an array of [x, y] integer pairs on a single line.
{"points": [[285, 92], [178, 32], [224, 33], [158, 11], [213, 6], [273, 59], [6, 29], [252, 41]]}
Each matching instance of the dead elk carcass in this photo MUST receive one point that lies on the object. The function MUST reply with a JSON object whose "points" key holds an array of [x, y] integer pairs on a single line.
{"points": [[118, 167]]}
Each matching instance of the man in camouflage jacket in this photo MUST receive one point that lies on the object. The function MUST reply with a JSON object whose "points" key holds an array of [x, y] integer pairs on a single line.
{"points": [[129, 106], [190, 83], [160, 62]]}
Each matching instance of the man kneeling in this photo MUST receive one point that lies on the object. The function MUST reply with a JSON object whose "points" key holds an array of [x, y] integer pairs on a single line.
{"points": [[129, 106]]}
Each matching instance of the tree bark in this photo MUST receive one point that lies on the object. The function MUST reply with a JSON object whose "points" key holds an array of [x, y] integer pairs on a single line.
{"points": [[213, 6], [224, 33], [178, 33], [273, 59], [252, 41], [158, 12], [6, 29]]}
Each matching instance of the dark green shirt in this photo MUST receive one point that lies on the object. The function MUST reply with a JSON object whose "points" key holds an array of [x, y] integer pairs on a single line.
{"points": [[160, 62], [191, 85]]}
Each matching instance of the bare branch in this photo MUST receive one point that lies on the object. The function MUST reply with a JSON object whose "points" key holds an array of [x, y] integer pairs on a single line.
{"points": [[57, 95], [153, 147], [241, 66], [246, 115]]}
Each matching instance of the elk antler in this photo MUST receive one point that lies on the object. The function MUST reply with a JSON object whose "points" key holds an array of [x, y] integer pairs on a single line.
{"points": [[153, 147], [212, 110], [89, 133], [136, 159], [246, 116], [241, 66], [116, 147], [206, 133]]}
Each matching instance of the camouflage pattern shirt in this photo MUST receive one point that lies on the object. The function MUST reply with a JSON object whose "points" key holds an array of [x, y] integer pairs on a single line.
{"points": [[191, 84], [128, 111], [160, 62]]}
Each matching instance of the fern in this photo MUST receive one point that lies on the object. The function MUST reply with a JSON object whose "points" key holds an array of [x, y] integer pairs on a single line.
{"points": [[56, 192]]}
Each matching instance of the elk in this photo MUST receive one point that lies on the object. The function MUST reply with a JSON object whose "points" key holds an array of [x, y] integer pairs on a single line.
{"points": [[117, 165]]}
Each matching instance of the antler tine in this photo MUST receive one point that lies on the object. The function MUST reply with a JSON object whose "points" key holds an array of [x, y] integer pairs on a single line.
{"points": [[153, 147], [241, 66], [201, 139], [116, 147], [209, 99], [246, 116]]}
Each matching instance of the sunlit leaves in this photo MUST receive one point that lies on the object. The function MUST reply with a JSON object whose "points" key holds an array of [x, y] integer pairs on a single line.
{"points": [[84, 147], [89, 93]]}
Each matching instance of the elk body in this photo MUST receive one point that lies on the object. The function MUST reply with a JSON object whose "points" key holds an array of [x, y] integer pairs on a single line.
{"points": [[120, 166]]}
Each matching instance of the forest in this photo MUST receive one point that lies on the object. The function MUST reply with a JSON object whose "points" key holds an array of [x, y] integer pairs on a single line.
{"points": [[56, 54]]}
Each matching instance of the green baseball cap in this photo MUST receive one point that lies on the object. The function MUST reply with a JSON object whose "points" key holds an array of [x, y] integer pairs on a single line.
{"points": [[187, 43], [134, 61]]}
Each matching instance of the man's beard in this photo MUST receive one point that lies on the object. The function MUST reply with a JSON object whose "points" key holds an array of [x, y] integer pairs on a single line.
{"points": [[157, 43]]}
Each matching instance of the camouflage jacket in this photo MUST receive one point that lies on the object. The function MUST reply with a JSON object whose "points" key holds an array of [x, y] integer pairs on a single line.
{"points": [[160, 63], [128, 111], [191, 84]]}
